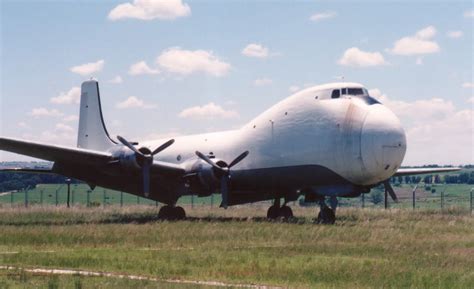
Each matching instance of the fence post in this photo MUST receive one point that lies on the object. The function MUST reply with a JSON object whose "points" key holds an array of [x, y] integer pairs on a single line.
{"points": [[386, 199], [104, 198], [121, 199], [442, 200], [41, 197], [363, 200], [212, 200], [26, 197], [68, 182], [471, 193], [57, 196], [88, 198], [11, 198], [192, 201], [138, 200]]}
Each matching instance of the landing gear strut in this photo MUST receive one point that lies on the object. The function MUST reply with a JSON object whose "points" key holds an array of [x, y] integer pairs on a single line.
{"points": [[171, 213], [326, 214], [275, 211]]}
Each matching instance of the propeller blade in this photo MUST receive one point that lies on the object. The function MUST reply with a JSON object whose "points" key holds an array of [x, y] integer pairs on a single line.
{"points": [[162, 147], [129, 145], [207, 160], [224, 191], [146, 178], [390, 191], [239, 159]]}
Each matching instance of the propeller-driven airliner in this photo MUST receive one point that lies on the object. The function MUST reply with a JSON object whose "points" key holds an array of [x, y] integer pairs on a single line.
{"points": [[327, 141]]}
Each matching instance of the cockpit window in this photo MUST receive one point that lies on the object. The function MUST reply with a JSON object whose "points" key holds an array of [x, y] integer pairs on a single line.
{"points": [[335, 93], [355, 91], [344, 91]]}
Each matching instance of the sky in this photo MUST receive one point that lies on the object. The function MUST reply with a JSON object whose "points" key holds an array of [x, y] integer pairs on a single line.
{"points": [[176, 67]]}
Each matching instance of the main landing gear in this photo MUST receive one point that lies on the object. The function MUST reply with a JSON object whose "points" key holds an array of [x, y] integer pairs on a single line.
{"points": [[275, 211], [327, 215], [171, 213]]}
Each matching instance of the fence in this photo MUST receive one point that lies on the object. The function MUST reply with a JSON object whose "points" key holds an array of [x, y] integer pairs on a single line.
{"points": [[446, 196]]}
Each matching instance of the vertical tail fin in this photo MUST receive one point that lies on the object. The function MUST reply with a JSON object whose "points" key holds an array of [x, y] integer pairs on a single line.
{"points": [[92, 132]]}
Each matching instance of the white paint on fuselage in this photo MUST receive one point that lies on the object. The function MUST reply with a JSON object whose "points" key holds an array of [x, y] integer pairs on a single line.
{"points": [[363, 143]]}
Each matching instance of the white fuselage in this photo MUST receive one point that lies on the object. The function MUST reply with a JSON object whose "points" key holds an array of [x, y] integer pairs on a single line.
{"points": [[361, 141]]}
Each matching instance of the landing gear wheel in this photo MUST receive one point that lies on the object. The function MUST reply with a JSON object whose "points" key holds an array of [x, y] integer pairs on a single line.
{"points": [[272, 212], [171, 213], [286, 212], [165, 213], [179, 213], [326, 216]]}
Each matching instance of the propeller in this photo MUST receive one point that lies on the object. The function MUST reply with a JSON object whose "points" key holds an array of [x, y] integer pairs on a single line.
{"points": [[389, 189], [145, 160], [224, 173]]}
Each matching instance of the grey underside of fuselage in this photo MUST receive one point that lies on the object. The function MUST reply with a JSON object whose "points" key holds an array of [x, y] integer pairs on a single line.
{"points": [[247, 185]]}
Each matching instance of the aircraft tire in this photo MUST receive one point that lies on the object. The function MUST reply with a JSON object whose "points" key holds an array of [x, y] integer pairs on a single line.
{"points": [[272, 212], [179, 213], [286, 212], [326, 216]]}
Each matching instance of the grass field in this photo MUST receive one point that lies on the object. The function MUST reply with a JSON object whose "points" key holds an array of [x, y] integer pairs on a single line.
{"points": [[367, 248]]}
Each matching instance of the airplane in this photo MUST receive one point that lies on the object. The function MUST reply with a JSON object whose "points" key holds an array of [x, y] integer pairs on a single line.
{"points": [[323, 142]]}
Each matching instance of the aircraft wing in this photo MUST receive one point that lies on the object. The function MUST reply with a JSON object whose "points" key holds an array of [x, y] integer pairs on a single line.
{"points": [[54, 152], [422, 171], [72, 155]]}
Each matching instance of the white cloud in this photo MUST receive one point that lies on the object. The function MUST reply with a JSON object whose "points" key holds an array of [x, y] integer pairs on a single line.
{"points": [[256, 50], [356, 57], [420, 43], [134, 102], [140, 68], [88, 68], [455, 34], [322, 16], [150, 9], [437, 132], [208, 111], [469, 14], [294, 88], [23, 125], [63, 127], [263, 81], [186, 62], [70, 118], [468, 85], [471, 100], [72, 96], [419, 110], [419, 61], [116, 80], [44, 112]]}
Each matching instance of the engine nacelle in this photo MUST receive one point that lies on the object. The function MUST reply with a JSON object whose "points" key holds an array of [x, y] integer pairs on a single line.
{"points": [[202, 178], [129, 160]]}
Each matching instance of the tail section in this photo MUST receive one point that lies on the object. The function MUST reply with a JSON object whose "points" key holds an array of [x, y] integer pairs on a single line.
{"points": [[92, 132]]}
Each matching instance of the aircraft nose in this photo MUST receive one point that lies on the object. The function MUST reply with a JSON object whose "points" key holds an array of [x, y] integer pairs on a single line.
{"points": [[383, 144]]}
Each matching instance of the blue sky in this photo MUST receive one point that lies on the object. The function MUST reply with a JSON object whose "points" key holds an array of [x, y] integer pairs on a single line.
{"points": [[417, 57]]}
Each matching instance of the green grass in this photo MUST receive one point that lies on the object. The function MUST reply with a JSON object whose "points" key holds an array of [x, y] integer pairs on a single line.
{"points": [[367, 248]]}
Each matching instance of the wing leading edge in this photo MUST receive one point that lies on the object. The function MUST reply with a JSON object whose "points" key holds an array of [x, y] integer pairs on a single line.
{"points": [[70, 155], [422, 171]]}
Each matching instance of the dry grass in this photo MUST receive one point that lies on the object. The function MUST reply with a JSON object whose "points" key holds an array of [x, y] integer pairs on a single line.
{"points": [[367, 248]]}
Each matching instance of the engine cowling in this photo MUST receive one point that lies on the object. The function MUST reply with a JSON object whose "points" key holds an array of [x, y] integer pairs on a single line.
{"points": [[203, 178]]}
